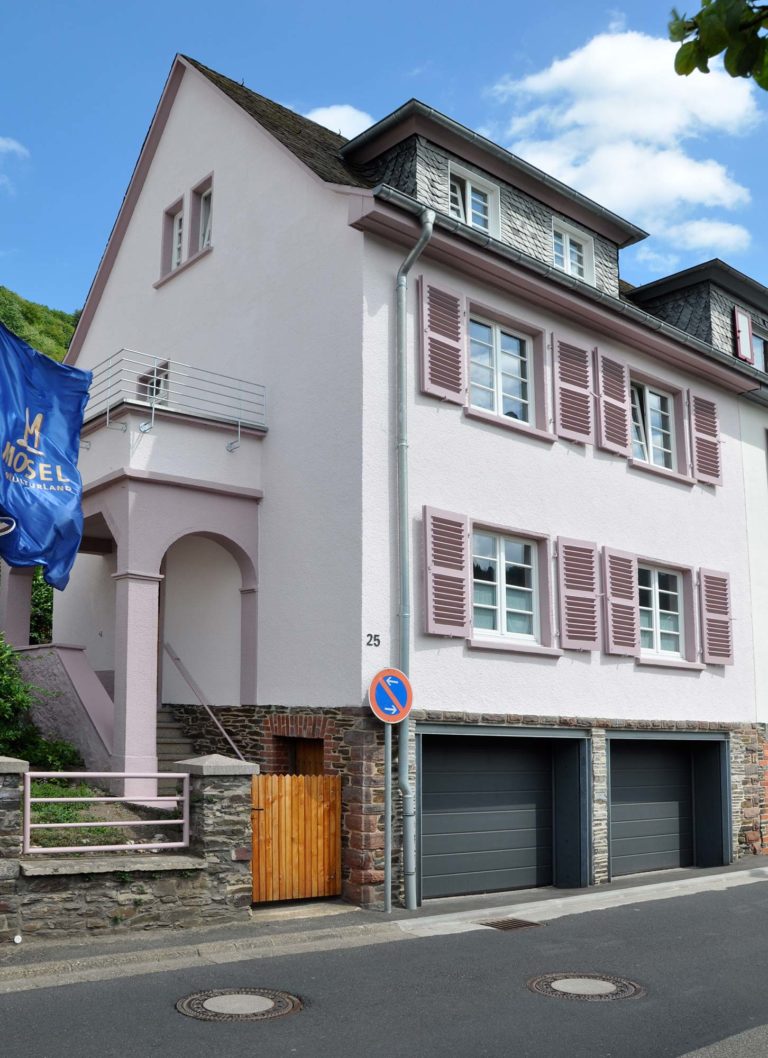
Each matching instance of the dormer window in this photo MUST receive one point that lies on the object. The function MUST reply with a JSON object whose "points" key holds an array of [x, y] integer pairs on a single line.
{"points": [[760, 351], [473, 201], [573, 252]]}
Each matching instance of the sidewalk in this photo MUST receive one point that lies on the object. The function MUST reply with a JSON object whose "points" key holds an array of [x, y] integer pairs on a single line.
{"points": [[325, 925]]}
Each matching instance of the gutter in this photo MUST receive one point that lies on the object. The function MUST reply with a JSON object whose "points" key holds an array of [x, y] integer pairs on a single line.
{"points": [[385, 193]]}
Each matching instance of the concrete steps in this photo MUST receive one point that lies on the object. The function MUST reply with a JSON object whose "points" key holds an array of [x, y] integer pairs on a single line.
{"points": [[172, 746]]}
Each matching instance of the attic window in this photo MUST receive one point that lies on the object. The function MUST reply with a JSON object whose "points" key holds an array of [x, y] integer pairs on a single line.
{"points": [[473, 201], [573, 252], [201, 216], [173, 237]]}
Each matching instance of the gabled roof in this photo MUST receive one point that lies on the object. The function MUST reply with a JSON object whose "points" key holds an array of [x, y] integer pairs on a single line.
{"points": [[313, 144]]}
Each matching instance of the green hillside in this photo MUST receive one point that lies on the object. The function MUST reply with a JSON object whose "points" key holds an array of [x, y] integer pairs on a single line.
{"points": [[49, 330]]}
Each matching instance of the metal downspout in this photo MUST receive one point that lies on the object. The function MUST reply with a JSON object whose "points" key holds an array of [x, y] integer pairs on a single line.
{"points": [[404, 550]]}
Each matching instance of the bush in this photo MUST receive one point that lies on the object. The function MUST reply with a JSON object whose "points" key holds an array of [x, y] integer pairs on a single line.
{"points": [[18, 735]]}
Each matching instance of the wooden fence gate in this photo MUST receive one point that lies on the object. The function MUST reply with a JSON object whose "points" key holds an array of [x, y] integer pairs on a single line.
{"points": [[296, 836]]}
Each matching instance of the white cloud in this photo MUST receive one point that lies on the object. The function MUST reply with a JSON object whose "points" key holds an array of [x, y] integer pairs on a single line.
{"points": [[614, 120], [714, 235], [9, 146], [343, 118], [662, 263]]}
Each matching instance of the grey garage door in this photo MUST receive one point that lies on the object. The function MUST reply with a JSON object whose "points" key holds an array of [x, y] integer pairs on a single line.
{"points": [[486, 821], [651, 806]]}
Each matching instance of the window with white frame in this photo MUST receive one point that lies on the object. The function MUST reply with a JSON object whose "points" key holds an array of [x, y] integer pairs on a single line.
{"points": [[760, 351], [661, 611], [153, 386], [573, 252], [177, 239], [473, 202], [501, 378], [653, 426], [504, 586], [206, 218]]}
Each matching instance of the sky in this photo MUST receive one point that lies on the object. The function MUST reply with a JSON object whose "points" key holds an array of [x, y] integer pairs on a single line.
{"points": [[585, 91]]}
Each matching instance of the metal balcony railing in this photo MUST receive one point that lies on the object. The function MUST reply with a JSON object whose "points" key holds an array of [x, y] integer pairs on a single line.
{"points": [[132, 378]]}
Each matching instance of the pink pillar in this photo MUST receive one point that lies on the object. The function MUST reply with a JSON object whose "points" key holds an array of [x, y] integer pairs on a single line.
{"points": [[16, 604], [248, 600], [136, 632]]}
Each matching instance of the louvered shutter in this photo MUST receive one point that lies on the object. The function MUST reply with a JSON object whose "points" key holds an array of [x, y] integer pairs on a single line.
{"points": [[579, 595], [742, 325], [442, 343], [446, 537], [716, 628], [705, 439], [613, 433], [622, 617], [574, 392]]}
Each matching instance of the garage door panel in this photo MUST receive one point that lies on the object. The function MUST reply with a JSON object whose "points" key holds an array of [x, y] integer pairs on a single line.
{"points": [[651, 807], [486, 820], [485, 841]]}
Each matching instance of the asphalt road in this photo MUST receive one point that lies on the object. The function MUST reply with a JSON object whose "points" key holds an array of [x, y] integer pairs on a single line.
{"points": [[703, 960]]}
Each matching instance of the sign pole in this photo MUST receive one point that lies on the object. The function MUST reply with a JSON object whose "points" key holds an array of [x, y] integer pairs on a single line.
{"points": [[387, 818], [390, 697]]}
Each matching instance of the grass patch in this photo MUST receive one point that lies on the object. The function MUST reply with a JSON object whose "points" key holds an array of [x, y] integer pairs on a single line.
{"points": [[71, 813]]}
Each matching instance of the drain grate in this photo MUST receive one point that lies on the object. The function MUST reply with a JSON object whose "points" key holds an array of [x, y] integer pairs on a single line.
{"points": [[590, 987], [239, 1004], [510, 923]]}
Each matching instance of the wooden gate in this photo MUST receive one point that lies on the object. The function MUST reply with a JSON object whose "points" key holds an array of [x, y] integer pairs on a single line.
{"points": [[296, 836]]}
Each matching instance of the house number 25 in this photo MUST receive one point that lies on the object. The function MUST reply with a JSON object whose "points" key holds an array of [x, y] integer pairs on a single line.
{"points": [[373, 639]]}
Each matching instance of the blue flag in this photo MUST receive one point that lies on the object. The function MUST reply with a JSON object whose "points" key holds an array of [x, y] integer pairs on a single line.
{"points": [[41, 412]]}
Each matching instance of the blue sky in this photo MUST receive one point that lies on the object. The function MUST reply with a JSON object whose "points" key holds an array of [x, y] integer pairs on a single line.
{"points": [[582, 90]]}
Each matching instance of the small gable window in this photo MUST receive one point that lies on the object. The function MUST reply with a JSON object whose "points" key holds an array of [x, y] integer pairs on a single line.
{"points": [[201, 216], [177, 250], [473, 201], [573, 252]]}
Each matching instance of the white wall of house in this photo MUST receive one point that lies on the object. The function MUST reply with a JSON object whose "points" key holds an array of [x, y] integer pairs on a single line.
{"points": [[754, 435], [277, 301], [201, 621], [84, 613], [501, 477]]}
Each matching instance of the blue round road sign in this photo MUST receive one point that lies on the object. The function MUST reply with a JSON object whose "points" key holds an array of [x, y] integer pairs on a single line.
{"points": [[390, 696]]}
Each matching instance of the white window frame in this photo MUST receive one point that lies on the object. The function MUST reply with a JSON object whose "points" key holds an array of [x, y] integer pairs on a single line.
{"points": [[498, 394], [648, 387], [473, 181], [177, 240], [657, 651], [153, 387], [570, 234], [205, 223], [762, 339], [500, 634]]}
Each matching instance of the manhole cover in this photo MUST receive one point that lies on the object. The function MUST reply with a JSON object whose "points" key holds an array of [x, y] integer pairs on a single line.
{"points": [[239, 1004], [588, 986], [510, 923]]}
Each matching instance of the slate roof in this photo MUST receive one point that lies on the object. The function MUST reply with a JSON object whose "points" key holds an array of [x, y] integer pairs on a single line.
{"points": [[313, 144]]}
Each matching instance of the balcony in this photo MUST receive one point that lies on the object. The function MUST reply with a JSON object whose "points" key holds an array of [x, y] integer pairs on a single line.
{"points": [[133, 380]]}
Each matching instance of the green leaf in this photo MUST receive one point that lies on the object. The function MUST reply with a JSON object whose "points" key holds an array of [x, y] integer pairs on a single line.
{"points": [[686, 58], [713, 36], [679, 27], [741, 56], [760, 68]]}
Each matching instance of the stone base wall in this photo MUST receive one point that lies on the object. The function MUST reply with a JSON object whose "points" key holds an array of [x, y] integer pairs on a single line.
{"points": [[353, 747]]}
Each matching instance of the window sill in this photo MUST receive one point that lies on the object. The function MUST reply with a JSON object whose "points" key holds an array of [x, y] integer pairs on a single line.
{"points": [[662, 472], [511, 647], [182, 267], [670, 663], [510, 424]]}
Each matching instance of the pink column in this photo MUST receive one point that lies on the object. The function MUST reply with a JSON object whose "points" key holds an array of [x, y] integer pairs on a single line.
{"points": [[248, 601], [136, 637], [16, 604]]}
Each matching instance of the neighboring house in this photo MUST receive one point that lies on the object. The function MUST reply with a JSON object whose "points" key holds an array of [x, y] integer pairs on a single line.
{"points": [[581, 646]]}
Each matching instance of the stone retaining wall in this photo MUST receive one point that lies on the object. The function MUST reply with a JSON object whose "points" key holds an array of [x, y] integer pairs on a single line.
{"points": [[76, 893]]}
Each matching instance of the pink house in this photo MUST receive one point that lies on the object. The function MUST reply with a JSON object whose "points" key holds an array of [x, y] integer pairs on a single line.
{"points": [[515, 477]]}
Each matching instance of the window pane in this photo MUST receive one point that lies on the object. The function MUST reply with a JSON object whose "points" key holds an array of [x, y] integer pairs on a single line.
{"points": [[511, 344], [482, 398], [667, 582], [484, 594], [457, 198], [669, 622], [479, 207], [576, 257], [483, 375], [559, 249], [481, 331], [646, 640], [484, 545], [516, 551], [646, 618], [644, 577], [670, 643], [520, 624], [518, 599], [515, 409], [484, 619]]}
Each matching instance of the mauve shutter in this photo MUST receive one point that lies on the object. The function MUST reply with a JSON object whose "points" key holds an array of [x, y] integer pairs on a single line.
{"points": [[613, 406], [705, 439], [622, 620], [442, 343], [742, 325], [574, 392], [446, 536], [579, 594], [716, 628]]}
